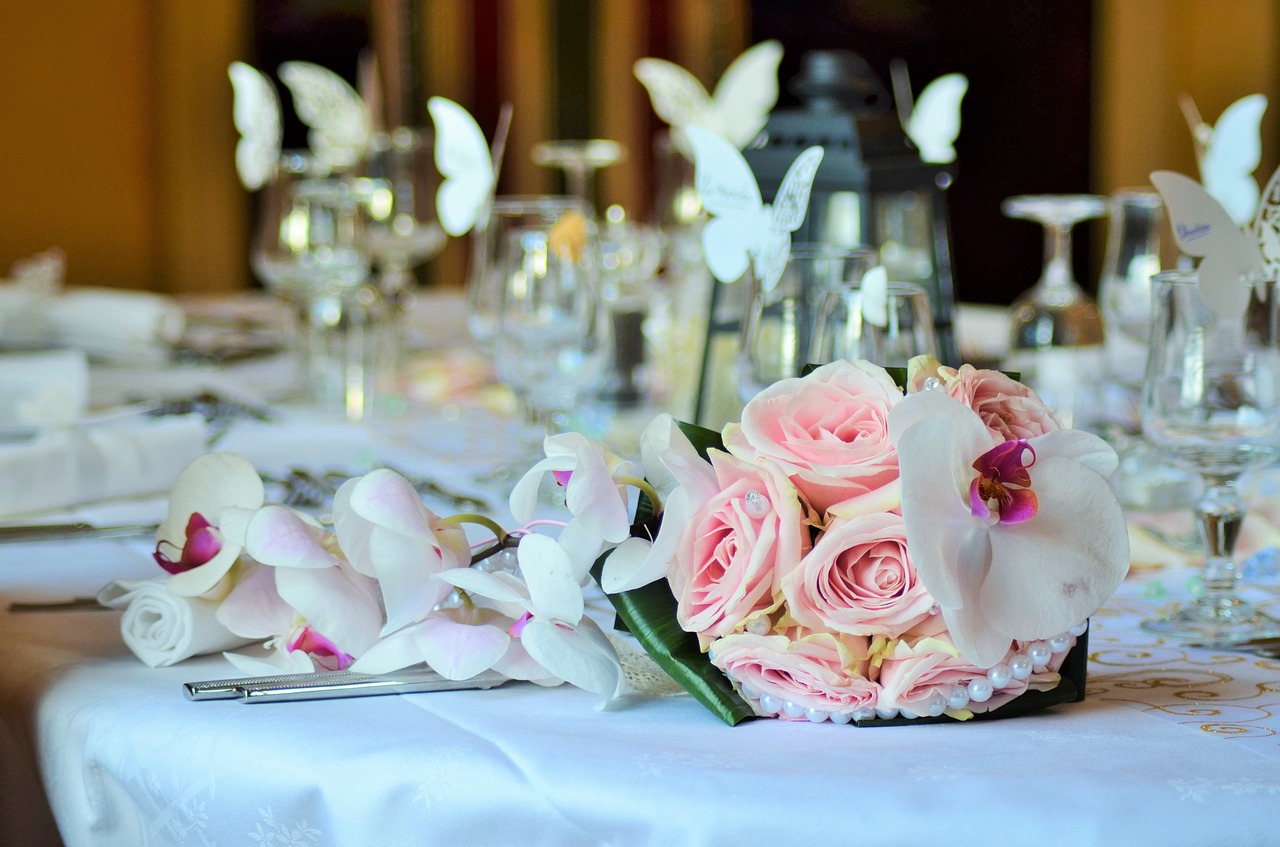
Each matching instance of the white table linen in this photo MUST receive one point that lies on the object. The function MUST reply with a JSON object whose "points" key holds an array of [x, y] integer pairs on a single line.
{"points": [[1174, 745]]}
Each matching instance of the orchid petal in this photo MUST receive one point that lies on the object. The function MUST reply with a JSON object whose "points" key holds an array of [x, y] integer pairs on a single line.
{"points": [[502, 587], [385, 498], [581, 657], [524, 494], [592, 497], [405, 568], [1055, 570], [516, 663], [278, 536], [1083, 447], [631, 565], [553, 592], [333, 604], [207, 486], [254, 609], [277, 662], [391, 653], [583, 547], [352, 529], [460, 651]]}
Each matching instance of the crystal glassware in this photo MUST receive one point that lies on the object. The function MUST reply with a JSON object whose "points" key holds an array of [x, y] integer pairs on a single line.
{"points": [[1211, 403], [486, 275], [579, 160], [890, 331], [552, 345], [309, 251], [1056, 329], [778, 327]]}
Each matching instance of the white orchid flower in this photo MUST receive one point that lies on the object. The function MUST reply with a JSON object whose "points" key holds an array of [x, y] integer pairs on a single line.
{"points": [[551, 628], [684, 481], [201, 538], [1015, 540], [387, 533], [595, 482]]}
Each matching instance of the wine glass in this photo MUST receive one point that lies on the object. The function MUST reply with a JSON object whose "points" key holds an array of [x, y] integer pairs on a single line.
{"points": [[485, 279], [889, 332], [308, 250], [1211, 403], [397, 190], [579, 160], [551, 346], [778, 327], [1056, 331]]}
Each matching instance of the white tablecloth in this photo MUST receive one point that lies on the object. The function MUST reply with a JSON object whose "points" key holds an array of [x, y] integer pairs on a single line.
{"points": [[1174, 746]]}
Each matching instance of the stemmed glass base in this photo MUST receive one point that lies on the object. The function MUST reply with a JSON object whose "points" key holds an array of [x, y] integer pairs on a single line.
{"points": [[1218, 618]]}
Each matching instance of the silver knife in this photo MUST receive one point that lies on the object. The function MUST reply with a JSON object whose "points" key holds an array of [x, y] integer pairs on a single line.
{"points": [[364, 685], [14, 533]]}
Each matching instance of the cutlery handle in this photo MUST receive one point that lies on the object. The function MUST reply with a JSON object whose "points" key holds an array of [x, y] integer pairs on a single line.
{"points": [[16, 533]]}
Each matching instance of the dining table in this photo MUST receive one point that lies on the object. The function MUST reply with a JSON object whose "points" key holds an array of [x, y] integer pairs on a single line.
{"points": [[1172, 744]]}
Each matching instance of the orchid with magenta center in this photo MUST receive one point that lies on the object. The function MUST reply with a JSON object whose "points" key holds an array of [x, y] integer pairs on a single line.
{"points": [[1001, 492], [1004, 561], [204, 541]]}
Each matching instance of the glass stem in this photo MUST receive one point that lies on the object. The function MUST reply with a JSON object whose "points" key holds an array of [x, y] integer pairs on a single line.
{"points": [[1057, 276], [1221, 513]]}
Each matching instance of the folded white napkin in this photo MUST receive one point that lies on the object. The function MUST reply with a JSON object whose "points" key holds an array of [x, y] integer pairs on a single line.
{"points": [[111, 323], [66, 467], [162, 628], [49, 388]]}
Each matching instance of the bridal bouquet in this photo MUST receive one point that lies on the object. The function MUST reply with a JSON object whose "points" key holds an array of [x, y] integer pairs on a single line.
{"points": [[858, 548]]}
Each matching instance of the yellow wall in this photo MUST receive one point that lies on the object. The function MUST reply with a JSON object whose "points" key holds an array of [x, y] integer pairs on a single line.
{"points": [[116, 142]]}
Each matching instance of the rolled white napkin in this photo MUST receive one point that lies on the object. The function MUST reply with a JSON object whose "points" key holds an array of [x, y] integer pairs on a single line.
{"points": [[114, 323], [49, 388], [67, 467], [162, 628]]}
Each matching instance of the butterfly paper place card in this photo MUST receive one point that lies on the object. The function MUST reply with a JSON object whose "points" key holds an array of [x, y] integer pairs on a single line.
{"points": [[736, 112], [932, 121], [467, 163], [1229, 152], [256, 111], [1202, 228], [335, 113], [745, 230]]}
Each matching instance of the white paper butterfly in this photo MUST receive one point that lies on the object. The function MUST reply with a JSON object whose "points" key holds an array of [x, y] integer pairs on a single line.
{"points": [[744, 229], [1202, 228], [934, 123], [336, 115], [256, 111], [469, 167], [1229, 152], [740, 106]]}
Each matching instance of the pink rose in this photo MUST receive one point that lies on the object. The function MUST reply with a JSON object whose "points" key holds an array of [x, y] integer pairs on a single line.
{"points": [[858, 579], [1009, 409], [816, 672], [828, 431], [724, 569]]}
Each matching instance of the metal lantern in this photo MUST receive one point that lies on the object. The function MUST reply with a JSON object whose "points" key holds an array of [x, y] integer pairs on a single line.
{"points": [[872, 187]]}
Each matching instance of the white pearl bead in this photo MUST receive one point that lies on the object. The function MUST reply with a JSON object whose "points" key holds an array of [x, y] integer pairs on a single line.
{"points": [[792, 710], [759, 625], [1060, 643], [999, 675], [840, 717], [907, 714], [958, 698], [937, 704], [1020, 667], [980, 690], [1039, 653], [1079, 629], [750, 693], [815, 715], [886, 714], [864, 714], [769, 704]]}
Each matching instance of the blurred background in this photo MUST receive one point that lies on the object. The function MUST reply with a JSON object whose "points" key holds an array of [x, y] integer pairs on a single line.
{"points": [[118, 138]]}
